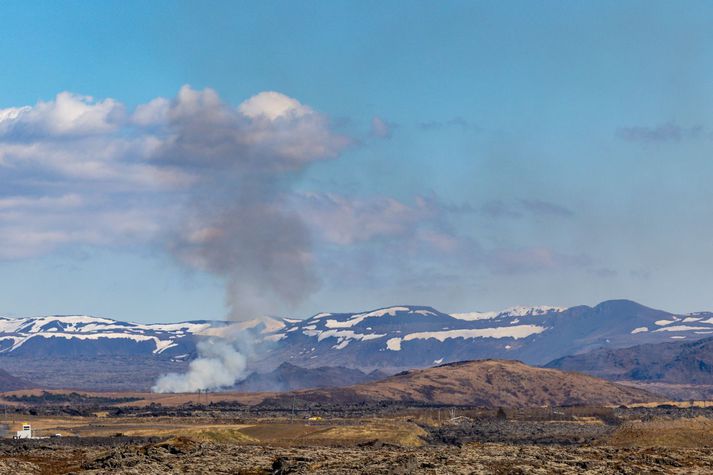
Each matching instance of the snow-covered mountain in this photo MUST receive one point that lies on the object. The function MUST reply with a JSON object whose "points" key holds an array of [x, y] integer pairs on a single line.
{"points": [[391, 338], [82, 335], [413, 336]]}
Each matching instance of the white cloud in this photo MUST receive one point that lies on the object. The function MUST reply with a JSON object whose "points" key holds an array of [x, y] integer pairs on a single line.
{"points": [[153, 113], [270, 132], [273, 105], [92, 172], [12, 113], [77, 137], [68, 114]]}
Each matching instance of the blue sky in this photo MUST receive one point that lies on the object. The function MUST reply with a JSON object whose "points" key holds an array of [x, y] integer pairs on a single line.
{"points": [[465, 155]]}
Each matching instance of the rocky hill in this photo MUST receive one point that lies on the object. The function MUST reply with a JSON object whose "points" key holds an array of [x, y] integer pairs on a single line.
{"points": [[485, 383]]}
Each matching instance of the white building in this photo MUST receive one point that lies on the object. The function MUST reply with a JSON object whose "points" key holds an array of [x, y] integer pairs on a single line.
{"points": [[25, 433]]}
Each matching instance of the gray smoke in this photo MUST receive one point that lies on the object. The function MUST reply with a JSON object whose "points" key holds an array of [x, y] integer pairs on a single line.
{"points": [[219, 365], [237, 223], [260, 248]]}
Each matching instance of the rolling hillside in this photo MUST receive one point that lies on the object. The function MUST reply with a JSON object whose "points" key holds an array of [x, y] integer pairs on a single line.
{"points": [[485, 383]]}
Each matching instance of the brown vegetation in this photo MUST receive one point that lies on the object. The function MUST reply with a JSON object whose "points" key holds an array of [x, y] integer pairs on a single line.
{"points": [[683, 433], [486, 383]]}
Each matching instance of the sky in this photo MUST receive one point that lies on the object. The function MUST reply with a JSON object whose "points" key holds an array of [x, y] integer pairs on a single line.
{"points": [[181, 160]]}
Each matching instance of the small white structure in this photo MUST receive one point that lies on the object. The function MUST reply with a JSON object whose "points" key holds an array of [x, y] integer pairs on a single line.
{"points": [[25, 433]]}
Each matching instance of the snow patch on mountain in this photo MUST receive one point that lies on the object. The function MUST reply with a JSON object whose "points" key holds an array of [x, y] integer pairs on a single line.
{"points": [[342, 344], [515, 332], [322, 335], [680, 328], [518, 311], [473, 316], [393, 344], [662, 323]]}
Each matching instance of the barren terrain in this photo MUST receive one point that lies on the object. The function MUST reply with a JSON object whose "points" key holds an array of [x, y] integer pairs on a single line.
{"points": [[232, 438], [473, 417]]}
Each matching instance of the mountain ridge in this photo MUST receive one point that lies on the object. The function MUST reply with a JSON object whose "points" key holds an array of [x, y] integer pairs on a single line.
{"points": [[419, 336]]}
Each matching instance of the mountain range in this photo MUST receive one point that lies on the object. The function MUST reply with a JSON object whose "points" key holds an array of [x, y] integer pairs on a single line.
{"points": [[56, 351], [405, 337]]}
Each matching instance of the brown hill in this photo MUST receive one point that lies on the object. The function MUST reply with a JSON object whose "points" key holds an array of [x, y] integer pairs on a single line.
{"points": [[486, 383]]}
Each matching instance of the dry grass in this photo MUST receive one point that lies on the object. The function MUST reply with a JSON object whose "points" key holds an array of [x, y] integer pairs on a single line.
{"points": [[405, 435], [679, 433], [338, 432]]}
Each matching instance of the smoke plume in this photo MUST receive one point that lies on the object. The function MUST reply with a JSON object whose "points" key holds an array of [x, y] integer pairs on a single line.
{"points": [[237, 223], [218, 365]]}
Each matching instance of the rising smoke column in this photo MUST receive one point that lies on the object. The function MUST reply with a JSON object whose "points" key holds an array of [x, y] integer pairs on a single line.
{"points": [[236, 222]]}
